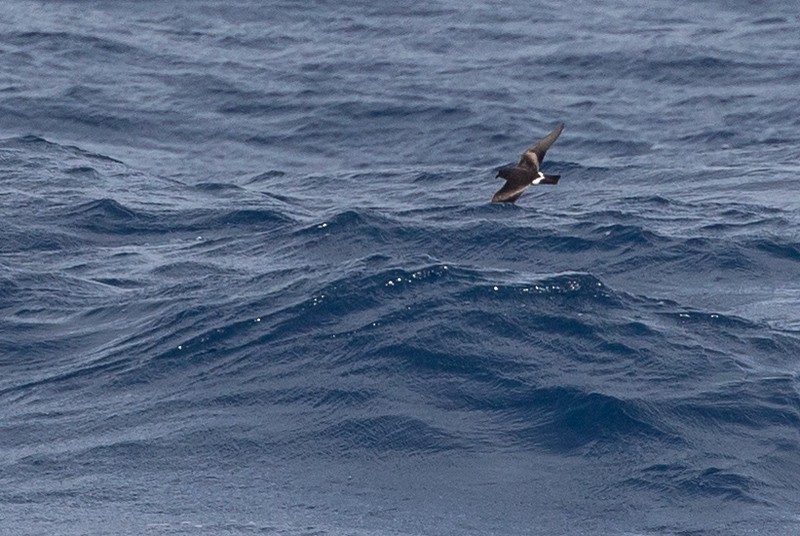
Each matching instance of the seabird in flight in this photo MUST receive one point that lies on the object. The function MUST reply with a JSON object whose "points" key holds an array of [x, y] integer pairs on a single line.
{"points": [[526, 172]]}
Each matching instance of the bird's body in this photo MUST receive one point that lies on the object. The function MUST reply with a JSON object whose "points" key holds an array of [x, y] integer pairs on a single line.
{"points": [[527, 172]]}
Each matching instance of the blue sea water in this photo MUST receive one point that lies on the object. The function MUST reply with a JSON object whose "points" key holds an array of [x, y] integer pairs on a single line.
{"points": [[251, 281]]}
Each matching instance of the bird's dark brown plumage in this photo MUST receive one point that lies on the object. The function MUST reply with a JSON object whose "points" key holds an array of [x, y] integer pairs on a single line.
{"points": [[527, 172]]}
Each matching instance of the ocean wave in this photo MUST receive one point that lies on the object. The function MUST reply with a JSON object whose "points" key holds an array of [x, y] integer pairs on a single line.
{"points": [[252, 279], [89, 44], [684, 480]]}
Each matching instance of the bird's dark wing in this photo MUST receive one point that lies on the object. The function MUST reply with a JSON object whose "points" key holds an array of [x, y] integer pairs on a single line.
{"points": [[533, 156], [511, 190]]}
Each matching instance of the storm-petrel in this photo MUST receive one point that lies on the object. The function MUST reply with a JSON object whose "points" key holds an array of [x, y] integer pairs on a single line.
{"points": [[526, 172]]}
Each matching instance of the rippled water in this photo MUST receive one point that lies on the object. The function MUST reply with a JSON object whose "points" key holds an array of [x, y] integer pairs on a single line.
{"points": [[251, 281]]}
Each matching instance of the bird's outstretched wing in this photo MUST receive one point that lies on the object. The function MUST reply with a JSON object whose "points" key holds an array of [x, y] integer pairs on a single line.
{"points": [[516, 183], [533, 156]]}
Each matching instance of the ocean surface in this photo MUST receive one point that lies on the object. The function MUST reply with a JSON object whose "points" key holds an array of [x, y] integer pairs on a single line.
{"points": [[251, 281]]}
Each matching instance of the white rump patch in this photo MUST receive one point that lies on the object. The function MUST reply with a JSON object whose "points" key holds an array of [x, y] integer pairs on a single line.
{"points": [[538, 179]]}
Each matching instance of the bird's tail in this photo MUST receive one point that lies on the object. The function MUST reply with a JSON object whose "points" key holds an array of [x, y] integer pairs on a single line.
{"points": [[550, 179]]}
